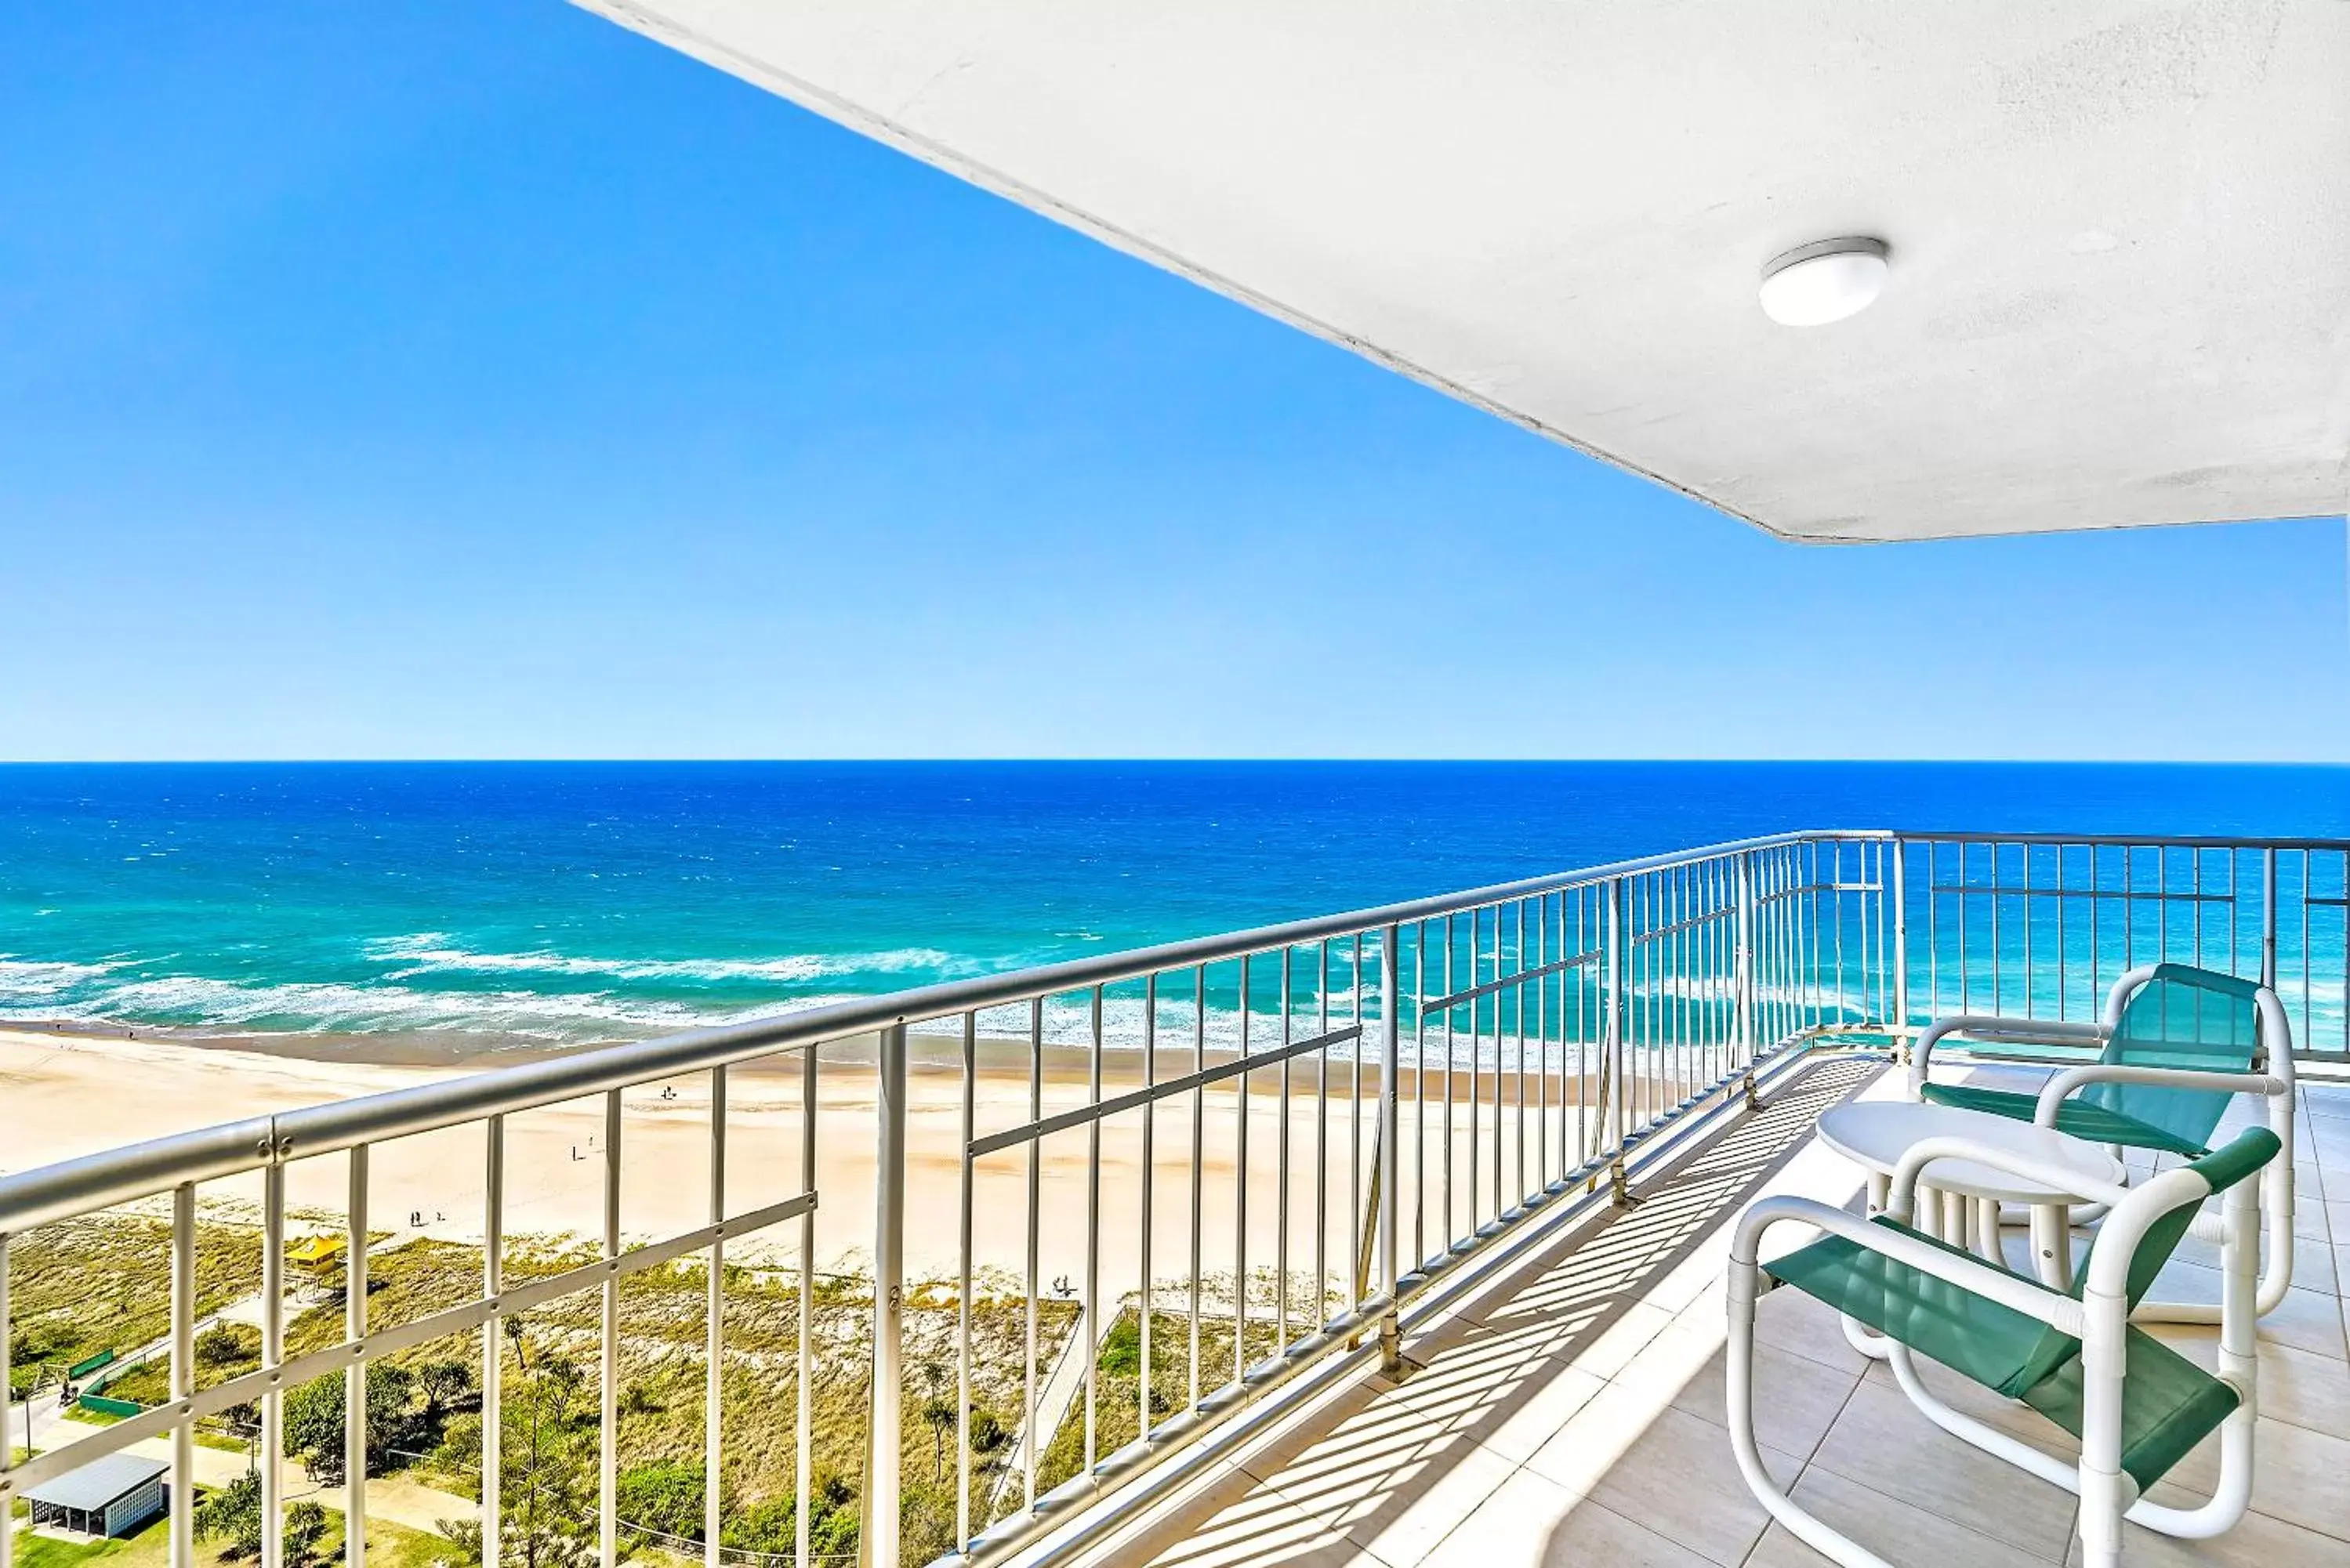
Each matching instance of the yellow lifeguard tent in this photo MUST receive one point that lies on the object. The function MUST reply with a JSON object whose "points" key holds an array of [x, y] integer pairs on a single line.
{"points": [[316, 1252]]}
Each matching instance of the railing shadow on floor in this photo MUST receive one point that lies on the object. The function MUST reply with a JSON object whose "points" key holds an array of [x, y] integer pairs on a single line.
{"points": [[1342, 1474]]}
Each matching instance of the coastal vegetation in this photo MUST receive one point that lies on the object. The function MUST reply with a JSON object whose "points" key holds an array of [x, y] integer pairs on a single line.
{"points": [[103, 1283]]}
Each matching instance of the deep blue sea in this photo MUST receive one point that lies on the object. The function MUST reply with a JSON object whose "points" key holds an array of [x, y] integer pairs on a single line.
{"points": [[565, 903]]}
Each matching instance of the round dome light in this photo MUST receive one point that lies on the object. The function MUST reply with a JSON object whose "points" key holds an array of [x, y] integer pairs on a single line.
{"points": [[1824, 281]]}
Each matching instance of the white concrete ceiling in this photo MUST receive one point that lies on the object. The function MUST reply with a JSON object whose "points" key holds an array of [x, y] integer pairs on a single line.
{"points": [[2120, 230]]}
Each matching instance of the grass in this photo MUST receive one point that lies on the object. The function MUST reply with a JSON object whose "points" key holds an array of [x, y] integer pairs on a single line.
{"points": [[103, 1282], [150, 1546], [99, 1284]]}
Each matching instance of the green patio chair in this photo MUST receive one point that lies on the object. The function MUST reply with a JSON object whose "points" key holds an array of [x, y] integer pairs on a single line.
{"points": [[2175, 1042], [2137, 1407]]}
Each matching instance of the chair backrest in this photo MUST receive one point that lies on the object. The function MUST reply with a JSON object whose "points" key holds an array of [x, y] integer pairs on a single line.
{"points": [[2188, 1018]]}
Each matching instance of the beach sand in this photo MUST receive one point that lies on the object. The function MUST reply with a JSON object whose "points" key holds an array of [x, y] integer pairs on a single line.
{"points": [[63, 1095]]}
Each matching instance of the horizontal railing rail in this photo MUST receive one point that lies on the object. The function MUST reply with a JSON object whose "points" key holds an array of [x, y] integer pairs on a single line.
{"points": [[1113, 1202]]}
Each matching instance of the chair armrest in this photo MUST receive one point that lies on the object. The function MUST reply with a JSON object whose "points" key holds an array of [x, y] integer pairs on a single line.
{"points": [[1962, 1270], [2074, 1079], [2032, 1167], [1994, 1029]]}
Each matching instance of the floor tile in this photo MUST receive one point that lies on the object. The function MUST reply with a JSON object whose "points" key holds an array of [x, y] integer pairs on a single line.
{"points": [[1796, 1400], [1594, 1534], [2297, 1477], [1881, 1440], [2256, 1541], [1799, 1324], [1890, 1527], [1680, 1480]]}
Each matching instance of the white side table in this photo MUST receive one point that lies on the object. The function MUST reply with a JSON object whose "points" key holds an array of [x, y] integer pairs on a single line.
{"points": [[1877, 1134]]}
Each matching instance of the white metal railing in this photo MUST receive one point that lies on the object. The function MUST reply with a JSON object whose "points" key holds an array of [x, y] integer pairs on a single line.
{"points": [[1339, 1110]]}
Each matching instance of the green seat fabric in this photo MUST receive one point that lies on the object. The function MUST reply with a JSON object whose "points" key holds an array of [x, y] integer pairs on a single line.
{"points": [[2168, 1403], [2182, 1017], [1996, 1345], [2077, 1115]]}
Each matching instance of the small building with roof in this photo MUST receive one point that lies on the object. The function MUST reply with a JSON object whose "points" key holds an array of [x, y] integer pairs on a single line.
{"points": [[112, 1496]]}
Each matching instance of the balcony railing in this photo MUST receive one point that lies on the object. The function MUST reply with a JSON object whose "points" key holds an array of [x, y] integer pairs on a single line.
{"points": [[1346, 1113]]}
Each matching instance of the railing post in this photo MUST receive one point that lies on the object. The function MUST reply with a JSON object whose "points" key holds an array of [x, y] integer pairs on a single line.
{"points": [[884, 1442], [2268, 918], [1900, 947], [1745, 980], [1390, 1139], [1619, 1027]]}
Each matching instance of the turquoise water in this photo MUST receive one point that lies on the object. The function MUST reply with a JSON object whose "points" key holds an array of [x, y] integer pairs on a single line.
{"points": [[576, 902]]}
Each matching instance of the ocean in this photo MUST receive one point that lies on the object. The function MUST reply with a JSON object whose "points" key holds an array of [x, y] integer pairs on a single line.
{"points": [[563, 903]]}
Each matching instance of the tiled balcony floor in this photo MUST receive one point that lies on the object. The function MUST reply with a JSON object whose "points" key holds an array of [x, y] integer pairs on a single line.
{"points": [[1573, 1414]]}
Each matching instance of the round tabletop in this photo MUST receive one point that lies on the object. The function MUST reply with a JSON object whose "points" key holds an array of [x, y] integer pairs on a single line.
{"points": [[1878, 1133]]}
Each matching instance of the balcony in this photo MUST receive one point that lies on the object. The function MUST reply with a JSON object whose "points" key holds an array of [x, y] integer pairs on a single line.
{"points": [[1388, 1237]]}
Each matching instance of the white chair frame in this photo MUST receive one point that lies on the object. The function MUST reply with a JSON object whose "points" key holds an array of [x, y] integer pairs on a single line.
{"points": [[2099, 1319], [2272, 1078]]}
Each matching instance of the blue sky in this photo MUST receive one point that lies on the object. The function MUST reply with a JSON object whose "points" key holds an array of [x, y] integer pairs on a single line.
{"points": [[483, 380]]}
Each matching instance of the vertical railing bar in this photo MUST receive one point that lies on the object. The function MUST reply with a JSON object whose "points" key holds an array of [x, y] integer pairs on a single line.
{"points": [[608, 1464], [1518, 1000], [1239, 1190], [1451, 1060], [713, 1388], [1322, 1136], [182, 1552], [1900, 896], [1149, 1079], [1507, 962], [2064, 948], [803, 1397], [1835, 904], [1966, 923], [1281, 1159], [2268, 925], [1199, 1154], [1933, 935], [2129, 906], [273, 1355], [1355, 1128], [1391, 1156], [2031, 1004], [2162, 903], [355, 1390], [1093, 1320], [1421, 1091], [183, 1369], [2097, 931], [879, 1538], [494, 1201], [964, 1184], [1028, 1445], [1476, 1073], [2308, 1002], [1542, 1042]]}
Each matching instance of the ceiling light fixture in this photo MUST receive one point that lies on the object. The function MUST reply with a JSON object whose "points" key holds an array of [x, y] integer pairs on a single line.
{"points": [[1824, 281]]}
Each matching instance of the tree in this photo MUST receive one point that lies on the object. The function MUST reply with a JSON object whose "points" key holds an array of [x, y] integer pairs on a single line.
{"points": [[313, 1420], [232, 1514], [938, 1414], [306, 1527], [443, 1384], [546, 1468], [223, 1345]]}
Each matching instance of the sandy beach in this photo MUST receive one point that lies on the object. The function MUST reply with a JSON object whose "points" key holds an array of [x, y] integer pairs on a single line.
{"points": [[64, 1095]]}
